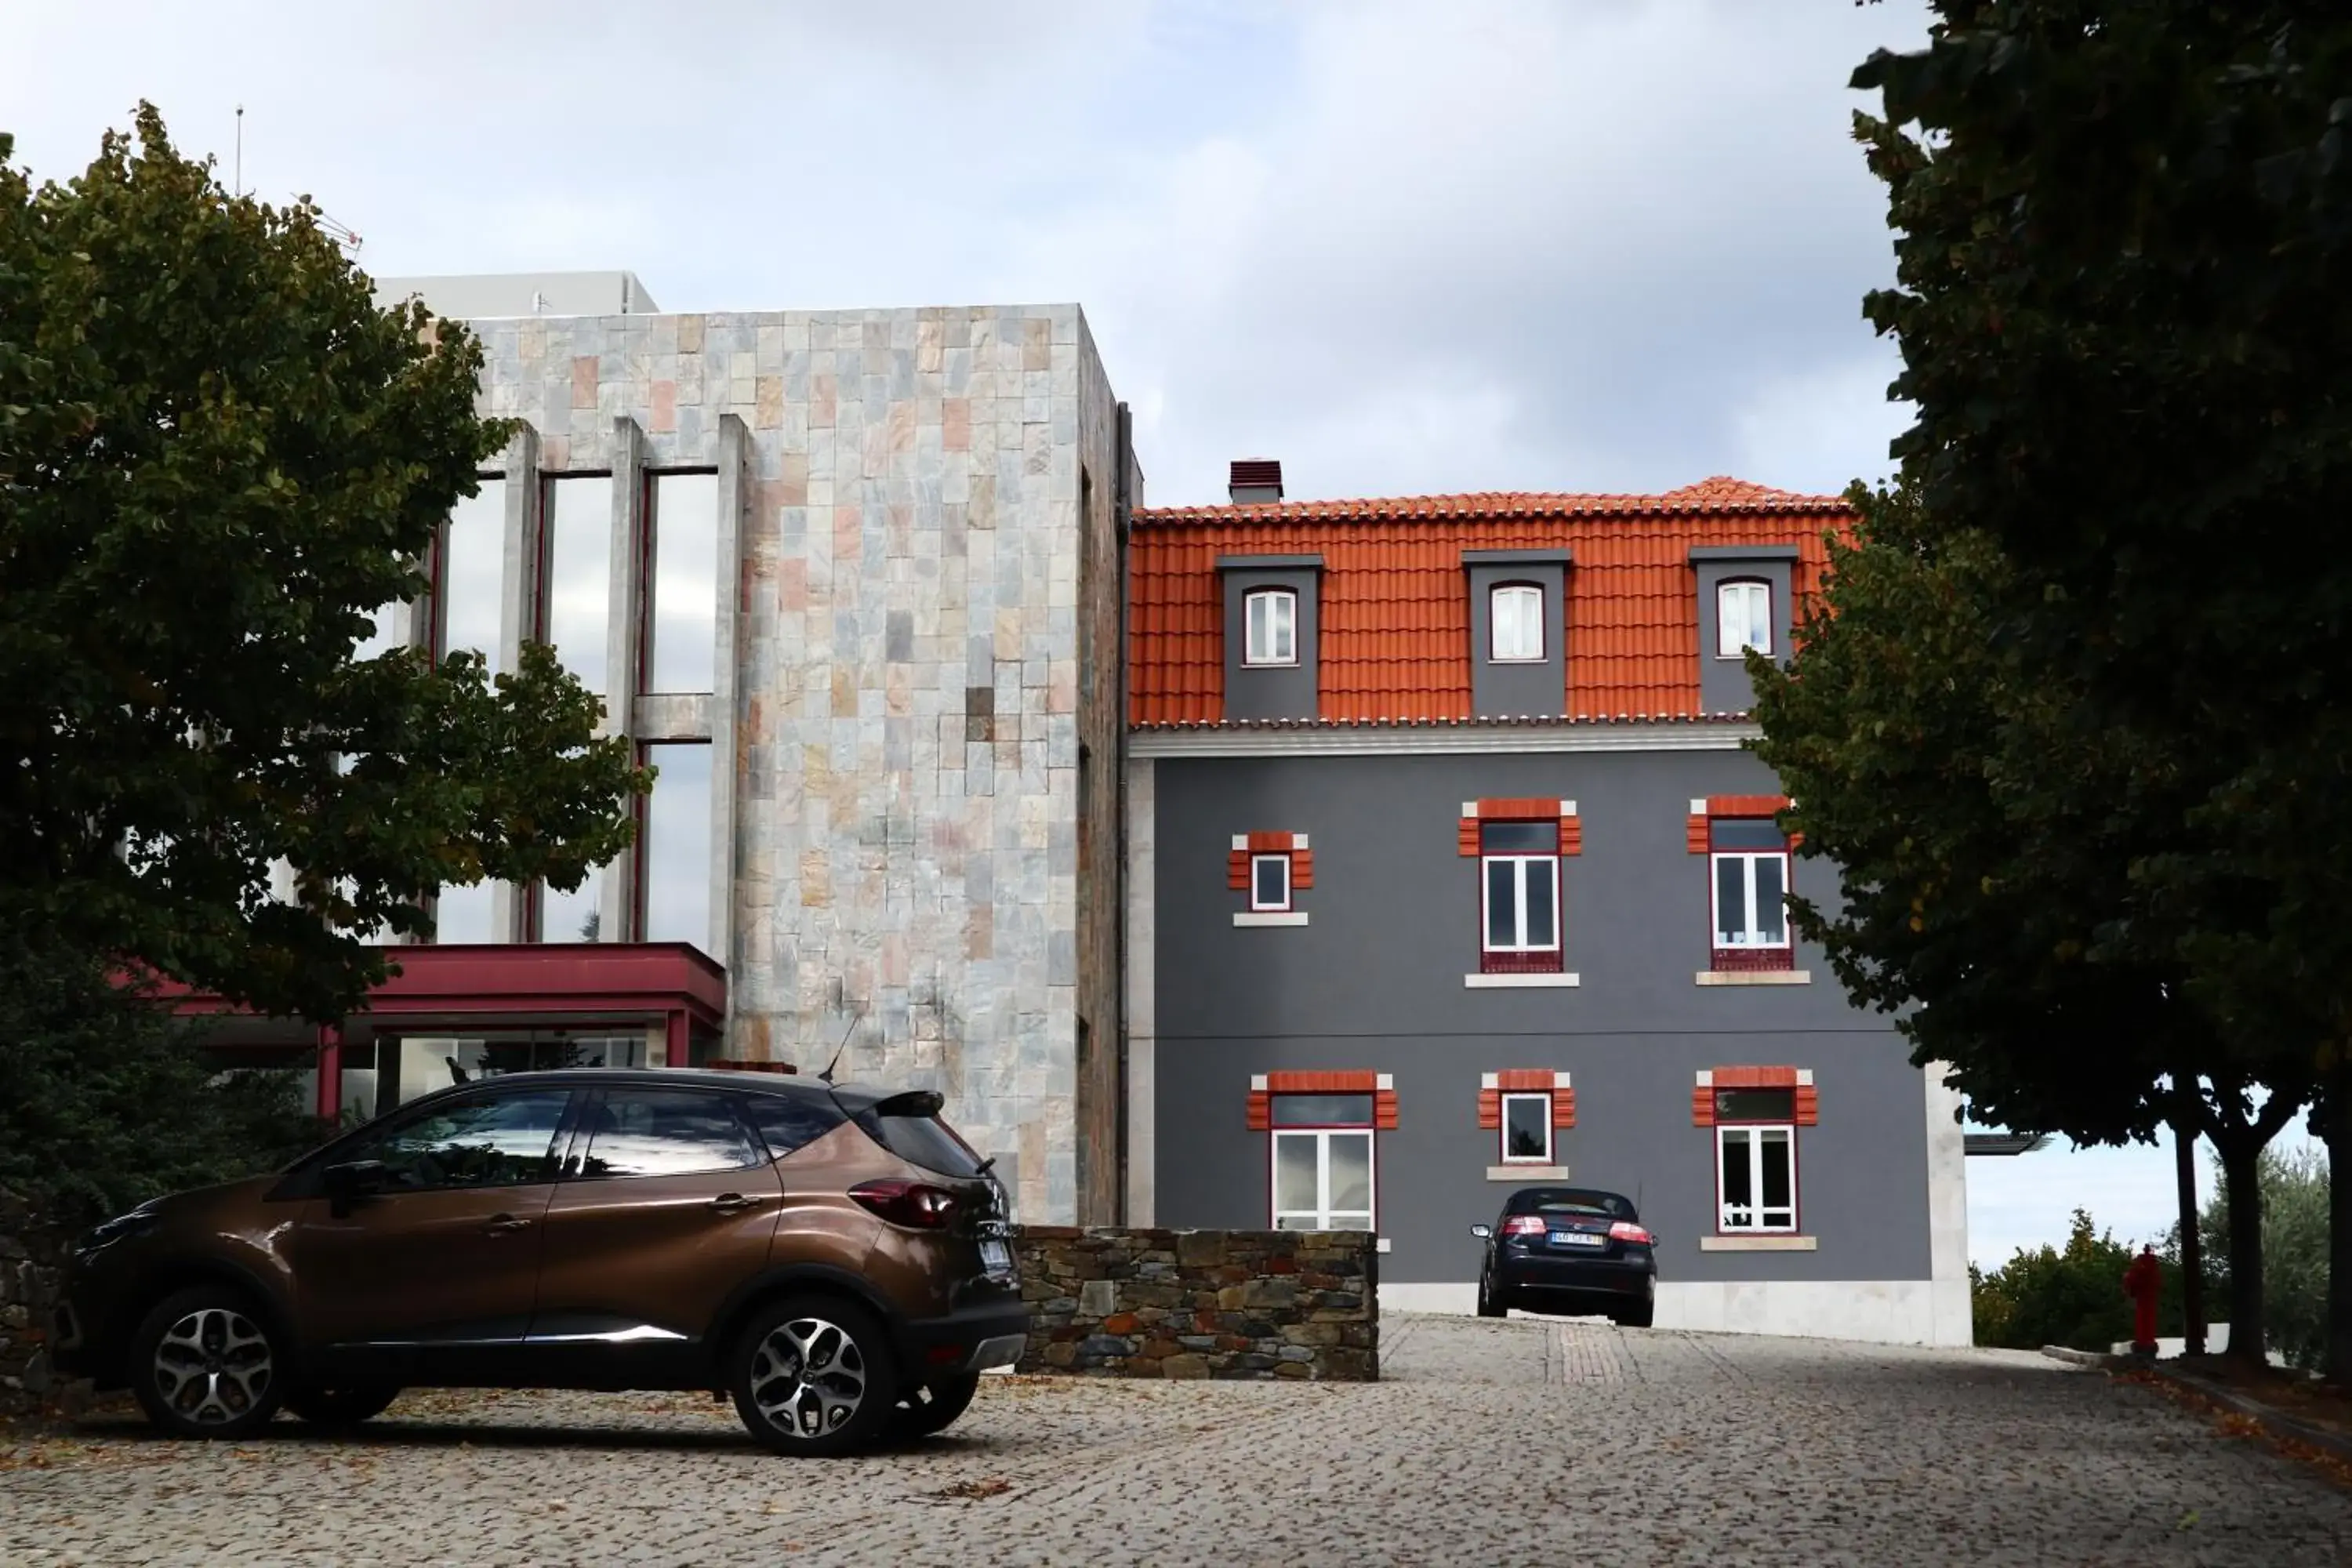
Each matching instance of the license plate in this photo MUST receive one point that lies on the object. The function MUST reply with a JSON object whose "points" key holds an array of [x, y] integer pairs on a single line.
{"points": [[996, 1256], [1578, 1238]]}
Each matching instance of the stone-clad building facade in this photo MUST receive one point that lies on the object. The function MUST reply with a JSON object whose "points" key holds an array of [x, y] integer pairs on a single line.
{"points": [[913, 709]]}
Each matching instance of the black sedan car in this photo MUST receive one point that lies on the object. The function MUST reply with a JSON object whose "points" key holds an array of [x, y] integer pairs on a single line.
{"points": [[1569, 1250]]}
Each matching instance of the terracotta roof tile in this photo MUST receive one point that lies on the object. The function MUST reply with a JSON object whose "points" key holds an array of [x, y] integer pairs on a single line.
{"points": [[1395, 615]]}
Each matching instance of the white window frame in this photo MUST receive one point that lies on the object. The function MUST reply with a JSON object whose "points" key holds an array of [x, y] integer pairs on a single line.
{"points": [[1256, 860], [1543, 1096], [1516, 593], [1550, 864], [1731, 640], [1750, 934], [1745, 1141], [1281, 632], [1323, 1215]]}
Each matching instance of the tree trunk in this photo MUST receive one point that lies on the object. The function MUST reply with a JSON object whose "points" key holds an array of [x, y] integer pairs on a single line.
{"points": [[2335, 1132], [2192, 1249], [2241, 1190]]}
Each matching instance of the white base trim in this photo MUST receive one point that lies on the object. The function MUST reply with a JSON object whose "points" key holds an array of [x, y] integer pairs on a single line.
{"points": [[1759, 1244], [1526, 1172], [1269, 917], [1381, 1245], [1552, 982], [1754, 977], [1874, 1311]]}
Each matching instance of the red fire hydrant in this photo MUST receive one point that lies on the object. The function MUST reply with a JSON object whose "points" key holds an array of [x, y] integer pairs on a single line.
{"points": [[2142, 1281]]}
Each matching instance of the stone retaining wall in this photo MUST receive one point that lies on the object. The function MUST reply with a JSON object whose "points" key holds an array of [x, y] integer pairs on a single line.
{"points": [[1200, 1303]]}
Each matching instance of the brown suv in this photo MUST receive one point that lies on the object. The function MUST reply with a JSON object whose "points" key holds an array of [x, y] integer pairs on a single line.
{"points": [[835, 1258]]}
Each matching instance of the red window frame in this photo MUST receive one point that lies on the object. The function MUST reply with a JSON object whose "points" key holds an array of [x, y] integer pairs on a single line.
{"points": [[1552, 960], [1796, 1225]]}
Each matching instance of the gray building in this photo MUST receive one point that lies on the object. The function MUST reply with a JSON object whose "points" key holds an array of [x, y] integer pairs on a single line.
{"points": [[1441, 827]]}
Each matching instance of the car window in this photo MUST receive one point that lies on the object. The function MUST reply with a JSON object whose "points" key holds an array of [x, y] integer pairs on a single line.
{"points": [[1562, 1201], [663, 1132], [489, 1141], [927, 1141], [787, 1122]]}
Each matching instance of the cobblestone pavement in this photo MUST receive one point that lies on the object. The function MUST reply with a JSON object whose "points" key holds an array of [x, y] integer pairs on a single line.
{"points": [[1514, 1442]]}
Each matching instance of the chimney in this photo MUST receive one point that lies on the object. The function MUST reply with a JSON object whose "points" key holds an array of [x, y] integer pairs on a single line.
{"points": [[1255, 479]]}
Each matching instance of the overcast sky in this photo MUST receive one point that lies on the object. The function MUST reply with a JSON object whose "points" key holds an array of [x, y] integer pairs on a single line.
{"points": [[1403, 247]]}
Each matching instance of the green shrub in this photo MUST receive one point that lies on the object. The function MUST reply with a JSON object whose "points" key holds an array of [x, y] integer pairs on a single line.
{"points": [[105, 1101]]}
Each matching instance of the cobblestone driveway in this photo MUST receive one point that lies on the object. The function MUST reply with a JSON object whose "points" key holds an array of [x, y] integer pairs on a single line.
{"points": [[1489, 1443]]}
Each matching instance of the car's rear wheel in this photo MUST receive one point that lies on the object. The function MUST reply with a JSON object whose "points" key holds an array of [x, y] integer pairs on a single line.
{"points": [[813, 1375], [206, 1362], [934, 1407], [1490, 1304], [341, 1405], [1634, 1317]]}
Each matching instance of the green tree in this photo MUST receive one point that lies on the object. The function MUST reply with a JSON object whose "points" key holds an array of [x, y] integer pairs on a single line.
{"points": [[1984, 847], [2295, 1213], [2124, 240], [218, 460]]}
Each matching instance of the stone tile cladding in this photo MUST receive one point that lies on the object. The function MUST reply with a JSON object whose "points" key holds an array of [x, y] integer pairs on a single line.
{"points": [[906, 714], [1202, 1303]]}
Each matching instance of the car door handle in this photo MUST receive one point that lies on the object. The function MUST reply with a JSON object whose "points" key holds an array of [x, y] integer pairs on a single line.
{"points": [[502, 1223], [729, 1203]]}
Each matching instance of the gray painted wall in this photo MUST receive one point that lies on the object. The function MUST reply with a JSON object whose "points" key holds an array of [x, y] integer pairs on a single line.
{"points": [[1272, 691], [1517, 690], [1723, 683], [1375, 981]]}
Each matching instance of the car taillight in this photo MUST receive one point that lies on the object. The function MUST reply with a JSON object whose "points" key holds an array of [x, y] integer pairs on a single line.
{"points": [[1626, 1230], [1524, 1225], [915, 1205]]}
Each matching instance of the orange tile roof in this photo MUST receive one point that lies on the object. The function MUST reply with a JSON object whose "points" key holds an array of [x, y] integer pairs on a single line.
{"points": [[1395, 644]]}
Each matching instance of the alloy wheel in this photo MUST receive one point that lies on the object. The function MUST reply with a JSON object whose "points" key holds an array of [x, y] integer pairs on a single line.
{"points": [[212, 1366], [808, 1378]]}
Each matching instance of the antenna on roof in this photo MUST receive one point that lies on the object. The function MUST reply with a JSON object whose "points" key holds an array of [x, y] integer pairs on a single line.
{"points": [[826, 1077]]}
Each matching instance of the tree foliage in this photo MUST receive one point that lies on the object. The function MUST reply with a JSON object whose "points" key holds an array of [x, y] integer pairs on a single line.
{"points": [[2121, 242], [218, 460], [105, 1101], [2071, 1296], [2294, 1251]]}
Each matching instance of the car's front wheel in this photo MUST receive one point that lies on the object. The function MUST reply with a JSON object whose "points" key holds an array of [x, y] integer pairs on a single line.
{"points": [[343, 1405], [813, 1375], [1490, 1303], [934, 1407], [206, 1362]]}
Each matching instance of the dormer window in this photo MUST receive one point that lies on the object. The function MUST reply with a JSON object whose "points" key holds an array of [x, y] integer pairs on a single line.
{"points": [[1743, 618], [1515, 624], [1271, 623]]}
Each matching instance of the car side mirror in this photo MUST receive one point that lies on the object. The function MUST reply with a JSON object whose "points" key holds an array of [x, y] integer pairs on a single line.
{"points": [[1482, 1232], [356, 1179]]}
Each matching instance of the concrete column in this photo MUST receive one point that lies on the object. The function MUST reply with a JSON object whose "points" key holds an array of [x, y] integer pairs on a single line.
{"points": [[518, 623], [735, 490], [1947, 1212], [618, 905], [1142, 1099]]}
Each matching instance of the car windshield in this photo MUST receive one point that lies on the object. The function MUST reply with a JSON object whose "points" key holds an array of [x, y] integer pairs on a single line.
{"points": [[1560, 1200], [909, 1126]]}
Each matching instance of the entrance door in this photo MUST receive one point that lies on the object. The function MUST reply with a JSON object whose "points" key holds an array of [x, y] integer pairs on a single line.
{"points": [[667, 1206], [448, 1257]]}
